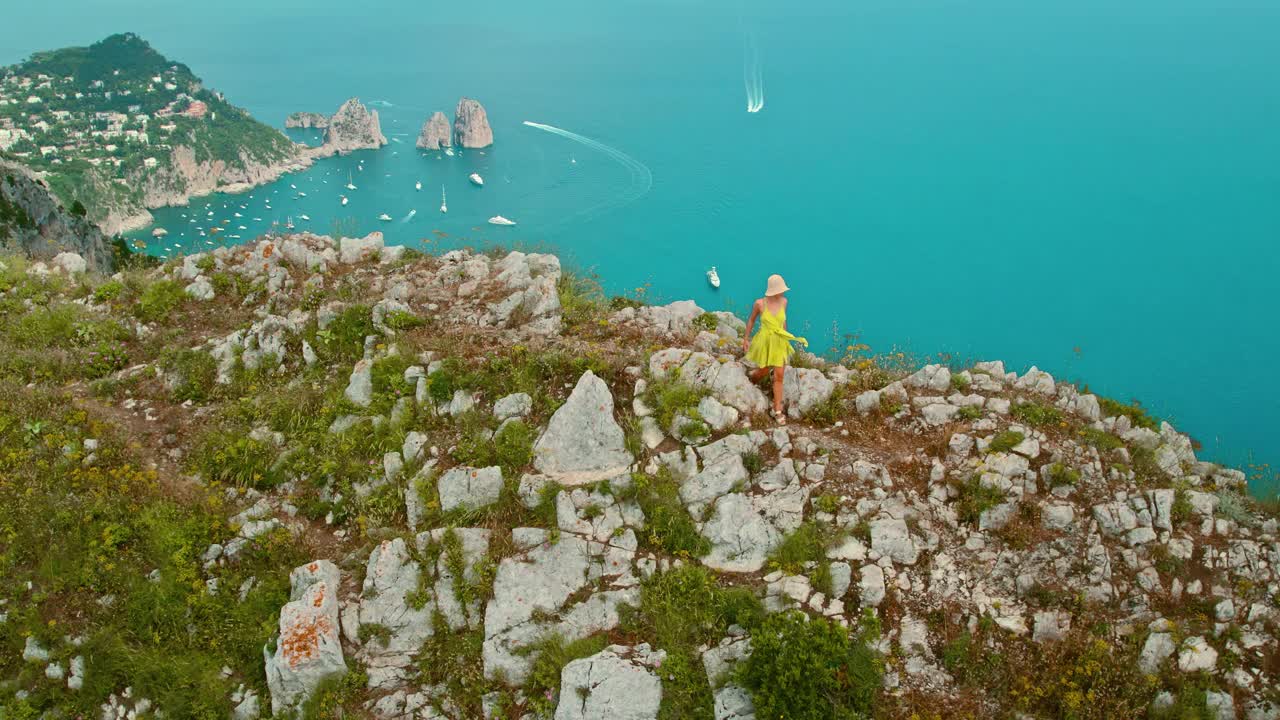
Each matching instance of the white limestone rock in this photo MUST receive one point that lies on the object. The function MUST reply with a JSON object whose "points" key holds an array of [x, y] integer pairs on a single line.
{"points": [[308, 649], [467, 487], [617, 683], [583, 443]]}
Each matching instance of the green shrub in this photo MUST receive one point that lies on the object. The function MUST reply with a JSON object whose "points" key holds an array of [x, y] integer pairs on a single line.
{"points": [[1134, 411], [402, 320], [336, 696], [1037, 414], [976, 497], [1006, 441], [511, 448], [235, 458], [1181, 510], [158, 299], [707, 321], [827, 503], [550, 655], [829, 410], [960, 382], [681, 609], [668, 527], [104, 358], [1060, 474], [194, 374], [669, 396], [1100, 439], [803, 669], [969, 412], [108, 291], [343, 339], [582, 301], [808, 543]]}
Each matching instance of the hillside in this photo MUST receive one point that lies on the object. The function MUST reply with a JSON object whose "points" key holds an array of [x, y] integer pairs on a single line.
{"points": [[120, 128], [340, 479]]}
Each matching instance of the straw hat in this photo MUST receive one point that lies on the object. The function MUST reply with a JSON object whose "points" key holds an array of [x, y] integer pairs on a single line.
{"points": [[776, 286]]}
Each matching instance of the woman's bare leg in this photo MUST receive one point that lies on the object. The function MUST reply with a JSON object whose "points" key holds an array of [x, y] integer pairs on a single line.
{"points": [[777, 388], [758, 373]]}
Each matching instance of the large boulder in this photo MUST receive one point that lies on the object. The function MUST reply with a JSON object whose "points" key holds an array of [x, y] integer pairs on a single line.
{"points": [[473, 488], [617, 683], [804, 389], [471, 125], [308, 649], [583, 443], [435, 133], [391, 581]]}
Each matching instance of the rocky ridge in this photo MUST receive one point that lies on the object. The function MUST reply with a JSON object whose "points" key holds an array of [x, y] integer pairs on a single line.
{"points": [[435, 133], [967, 512], [319, 121], [471, 125]]}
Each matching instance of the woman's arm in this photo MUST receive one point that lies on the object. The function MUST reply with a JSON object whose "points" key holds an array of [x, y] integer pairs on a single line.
{"points": [[751, 321]]}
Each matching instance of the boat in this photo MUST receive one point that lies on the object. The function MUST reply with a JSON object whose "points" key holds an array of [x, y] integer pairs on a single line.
{"points": [[295, 187], [713, 277], [301, 194], [344, 199], [417, 185], [350, 185], [444, 204], [305, 217], [289, 223], [448, 151], [499, 220], [384, 217], [411, 214], [476, 179], [159, 232], [238, 215]]}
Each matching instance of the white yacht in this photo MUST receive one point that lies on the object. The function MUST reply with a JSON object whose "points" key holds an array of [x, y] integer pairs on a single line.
{"points": [[476, 179], [344, 199], [444, 202], [350, 185], [417, 185], [411, 214], [499, 220], [384, 217], [305, 217], [713, 277]]}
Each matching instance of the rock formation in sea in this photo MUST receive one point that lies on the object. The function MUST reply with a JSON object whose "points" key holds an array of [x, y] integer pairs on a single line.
{"points": [[435, 133], [33, 222], [354, 127], [471, 125], [307, 120]]}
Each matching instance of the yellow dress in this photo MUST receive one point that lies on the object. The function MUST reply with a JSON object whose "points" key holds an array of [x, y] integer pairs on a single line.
{"points": [[771, 346]]}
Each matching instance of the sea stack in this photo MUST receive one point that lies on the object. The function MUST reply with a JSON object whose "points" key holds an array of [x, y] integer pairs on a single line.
{"points": [[435, 132], [307, 120], [471, 125], [354, 127]]}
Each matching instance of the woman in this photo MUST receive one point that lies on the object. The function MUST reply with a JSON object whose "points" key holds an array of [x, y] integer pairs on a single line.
{"points": [[771, 347]]}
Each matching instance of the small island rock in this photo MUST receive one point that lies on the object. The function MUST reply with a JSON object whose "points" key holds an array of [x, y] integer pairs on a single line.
{"points": [[354, 127], [471, 125], [435, 133]]}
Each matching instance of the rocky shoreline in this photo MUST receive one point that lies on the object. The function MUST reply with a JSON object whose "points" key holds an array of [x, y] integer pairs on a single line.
{"points": [[352, 127]]}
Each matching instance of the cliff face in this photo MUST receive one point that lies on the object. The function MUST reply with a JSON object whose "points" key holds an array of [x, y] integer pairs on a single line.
{"points": [[471, 125], [33, 222], [307, 120], [435, 133], [354, 127]]}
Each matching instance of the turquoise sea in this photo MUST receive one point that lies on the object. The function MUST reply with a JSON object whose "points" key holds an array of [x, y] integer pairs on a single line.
{"points": [[1092, 187]]}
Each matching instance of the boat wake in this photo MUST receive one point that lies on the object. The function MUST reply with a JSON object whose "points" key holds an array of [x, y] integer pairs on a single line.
{"points": [[408, 217], [641, 176], [752, 78]]}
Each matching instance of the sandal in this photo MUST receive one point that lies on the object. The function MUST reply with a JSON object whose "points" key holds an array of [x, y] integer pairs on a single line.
{"points": [[780, 416]]}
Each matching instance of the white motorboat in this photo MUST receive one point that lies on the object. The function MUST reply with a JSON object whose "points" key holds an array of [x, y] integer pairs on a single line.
{"points": [[444, 203], [411, 214], [159, 232], [476, 179], [301, 194], [238, 215], [305, 217], [417, 185], [713, 277], [350, 185], [384, 217], [344, 199], [499, 220]]}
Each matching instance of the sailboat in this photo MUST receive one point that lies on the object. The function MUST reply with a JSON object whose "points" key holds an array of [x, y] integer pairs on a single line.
{"points": [[713, 277], [417, 185], [289, 223], [444, 204], [350, 185]]}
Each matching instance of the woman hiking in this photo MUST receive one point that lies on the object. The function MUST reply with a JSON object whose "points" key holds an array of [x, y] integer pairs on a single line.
{"points": [[771, 347]]}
